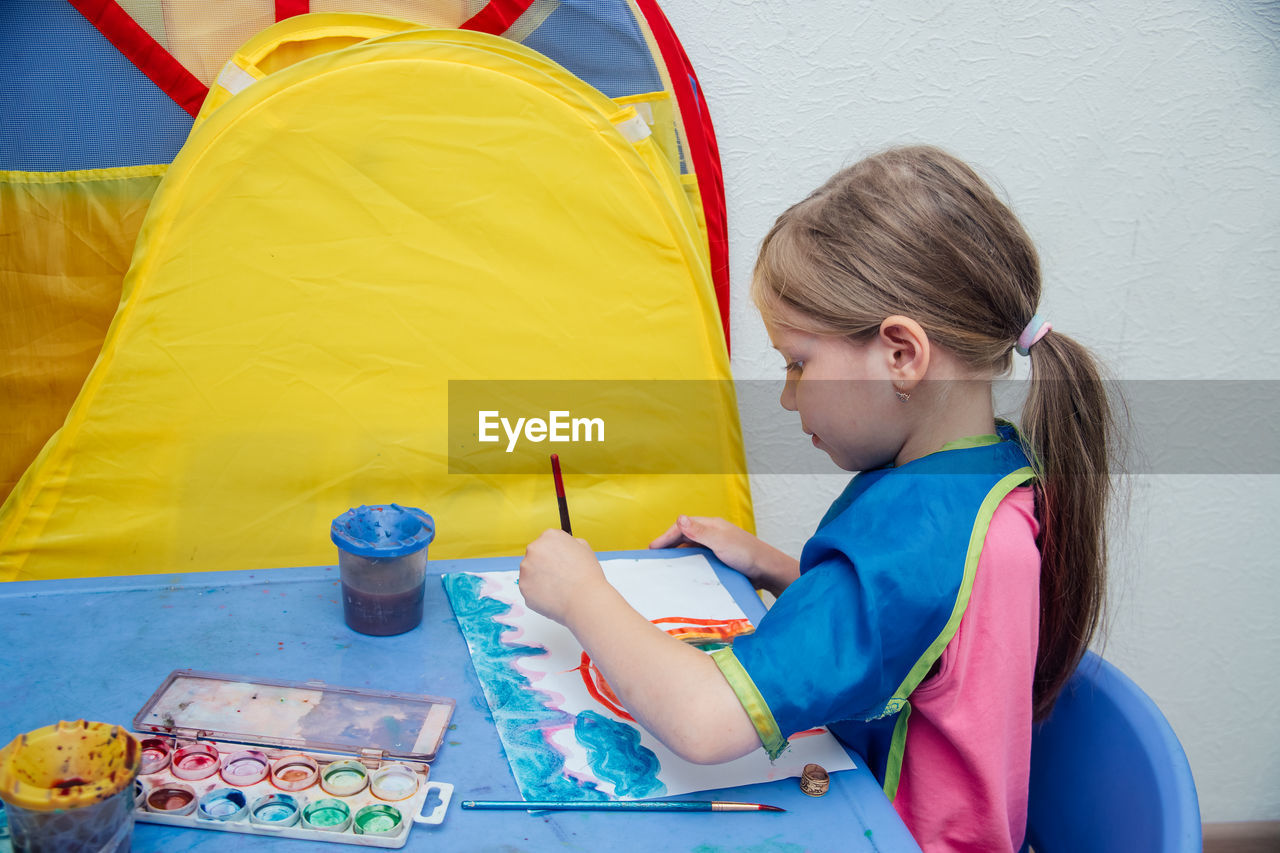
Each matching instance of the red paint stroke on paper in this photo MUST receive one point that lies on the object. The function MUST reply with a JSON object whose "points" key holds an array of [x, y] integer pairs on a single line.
{"points": [[688, 630]]}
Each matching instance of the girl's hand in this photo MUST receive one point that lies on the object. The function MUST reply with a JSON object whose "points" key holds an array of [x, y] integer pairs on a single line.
{"points": [[766, 566], [557, 572], [735, 547]]}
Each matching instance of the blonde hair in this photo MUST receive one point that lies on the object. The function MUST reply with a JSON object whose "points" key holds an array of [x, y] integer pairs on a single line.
{"points": [[915, 231]]}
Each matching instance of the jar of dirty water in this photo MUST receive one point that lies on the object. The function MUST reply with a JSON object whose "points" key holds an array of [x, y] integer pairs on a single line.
{"points": [[69, 788], [382, 555]]}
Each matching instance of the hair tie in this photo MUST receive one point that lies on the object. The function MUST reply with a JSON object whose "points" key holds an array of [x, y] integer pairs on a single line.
{"points": [[1035, 330]]}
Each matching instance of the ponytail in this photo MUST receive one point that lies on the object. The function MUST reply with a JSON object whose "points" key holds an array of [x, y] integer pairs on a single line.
{"points": [[1068, 426]]}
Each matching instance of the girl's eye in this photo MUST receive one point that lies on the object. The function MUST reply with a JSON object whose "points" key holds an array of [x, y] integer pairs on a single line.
{"points": [[794, 366]]}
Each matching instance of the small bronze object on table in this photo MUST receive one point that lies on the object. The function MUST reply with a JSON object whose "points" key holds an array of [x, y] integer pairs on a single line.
{"points": [[815, 780]]}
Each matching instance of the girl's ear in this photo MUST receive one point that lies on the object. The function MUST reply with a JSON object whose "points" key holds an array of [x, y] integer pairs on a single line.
{"points": [[906, 349]]}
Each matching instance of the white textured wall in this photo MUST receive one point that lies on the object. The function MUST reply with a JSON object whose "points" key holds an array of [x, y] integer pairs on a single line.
{"points": [[1140, 144]]}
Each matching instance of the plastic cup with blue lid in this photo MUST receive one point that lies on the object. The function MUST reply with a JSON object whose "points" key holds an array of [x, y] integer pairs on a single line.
{"points": [[382, 556]]}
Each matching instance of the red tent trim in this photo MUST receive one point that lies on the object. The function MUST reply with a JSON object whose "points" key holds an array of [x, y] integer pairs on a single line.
{"points": [[703, 150], [137, 46], [289, 8], [186, 90], [497, 16]]}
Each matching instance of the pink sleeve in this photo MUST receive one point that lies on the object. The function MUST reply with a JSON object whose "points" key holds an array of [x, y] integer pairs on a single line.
{"points": [[968, 749]]}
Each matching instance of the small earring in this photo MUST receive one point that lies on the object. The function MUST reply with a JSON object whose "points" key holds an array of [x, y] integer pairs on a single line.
{"points": [[902, 395]]}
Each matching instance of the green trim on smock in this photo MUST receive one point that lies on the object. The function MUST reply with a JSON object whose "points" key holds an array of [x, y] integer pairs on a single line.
{"points": [[970, 441], [920, 671], [749, 695], [897, 749]]}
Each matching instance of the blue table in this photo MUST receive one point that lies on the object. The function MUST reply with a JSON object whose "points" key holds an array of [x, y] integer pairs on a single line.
{"points": [[98, 648]]}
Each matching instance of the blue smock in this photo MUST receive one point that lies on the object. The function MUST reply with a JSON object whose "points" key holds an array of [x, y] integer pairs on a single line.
{"points": [[883, 584]]}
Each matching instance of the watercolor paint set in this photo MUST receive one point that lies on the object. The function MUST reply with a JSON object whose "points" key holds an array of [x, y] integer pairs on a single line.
{"points": [[290, 759]]}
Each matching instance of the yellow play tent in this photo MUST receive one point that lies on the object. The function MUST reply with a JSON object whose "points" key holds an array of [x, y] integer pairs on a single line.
{"points": [[359, 246], [99, 95]]}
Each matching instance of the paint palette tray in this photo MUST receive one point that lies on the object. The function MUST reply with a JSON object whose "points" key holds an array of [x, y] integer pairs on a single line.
{"points": [[290, 759]]}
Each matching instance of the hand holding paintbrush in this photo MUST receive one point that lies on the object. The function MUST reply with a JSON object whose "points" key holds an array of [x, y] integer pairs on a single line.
{"points": [[561, 579], [556, 566]]}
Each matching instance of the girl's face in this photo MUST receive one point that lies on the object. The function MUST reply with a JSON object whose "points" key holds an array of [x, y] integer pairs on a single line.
{"points": [[842, 391]]}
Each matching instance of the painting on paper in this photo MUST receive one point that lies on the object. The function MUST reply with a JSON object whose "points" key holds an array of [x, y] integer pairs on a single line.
{"points": [[564, 732]]}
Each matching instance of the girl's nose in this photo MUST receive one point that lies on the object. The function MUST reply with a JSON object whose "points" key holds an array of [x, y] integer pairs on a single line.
{"points": [[788, 398]]}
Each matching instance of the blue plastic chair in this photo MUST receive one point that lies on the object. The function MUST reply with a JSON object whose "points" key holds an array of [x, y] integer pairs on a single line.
{"points": [[1108, 773]]}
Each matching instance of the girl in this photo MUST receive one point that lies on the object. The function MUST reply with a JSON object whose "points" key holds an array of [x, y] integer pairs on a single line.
{"points": [[952, 588]]}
